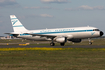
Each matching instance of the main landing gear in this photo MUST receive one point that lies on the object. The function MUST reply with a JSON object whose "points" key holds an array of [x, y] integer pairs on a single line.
{"points": [[52, 44], [62, 44]]}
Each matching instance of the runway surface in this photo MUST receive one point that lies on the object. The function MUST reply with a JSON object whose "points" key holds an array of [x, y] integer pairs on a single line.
{"points": [[54, 46]]}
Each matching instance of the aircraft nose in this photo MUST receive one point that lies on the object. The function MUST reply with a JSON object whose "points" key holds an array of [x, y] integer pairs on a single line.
{"points": [[101, 33]]}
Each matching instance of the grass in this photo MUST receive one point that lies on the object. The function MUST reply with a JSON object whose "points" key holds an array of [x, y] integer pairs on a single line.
{"points": [[52, 58], [19, 41], [68, 59]]}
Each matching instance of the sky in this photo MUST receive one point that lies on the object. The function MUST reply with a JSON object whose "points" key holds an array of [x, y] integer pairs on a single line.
{"points": [[42, 14]]}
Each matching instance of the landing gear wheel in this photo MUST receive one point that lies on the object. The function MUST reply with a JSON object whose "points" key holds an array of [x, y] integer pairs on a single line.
{"points": [[52, 44], [90, 43], [62, 44]]}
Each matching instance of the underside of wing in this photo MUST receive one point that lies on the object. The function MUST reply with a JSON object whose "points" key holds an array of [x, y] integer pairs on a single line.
{"points": [[48, 36]]}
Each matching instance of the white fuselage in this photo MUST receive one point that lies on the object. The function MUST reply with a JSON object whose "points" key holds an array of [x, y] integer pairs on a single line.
{"points": [[75, 33]]}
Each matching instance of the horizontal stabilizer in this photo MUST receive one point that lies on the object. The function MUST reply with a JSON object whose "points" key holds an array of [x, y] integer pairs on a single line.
{"points": [[11, 33]]}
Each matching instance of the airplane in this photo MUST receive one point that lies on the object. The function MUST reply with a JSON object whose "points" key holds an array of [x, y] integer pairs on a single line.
{"points": [[60, 35]]}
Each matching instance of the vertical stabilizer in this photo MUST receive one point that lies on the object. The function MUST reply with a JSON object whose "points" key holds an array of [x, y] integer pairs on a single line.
{"points": [[17, 26]]}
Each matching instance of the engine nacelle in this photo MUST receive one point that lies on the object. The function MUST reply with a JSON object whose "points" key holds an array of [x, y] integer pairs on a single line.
{"points": [[61, 39], [75, 40]]}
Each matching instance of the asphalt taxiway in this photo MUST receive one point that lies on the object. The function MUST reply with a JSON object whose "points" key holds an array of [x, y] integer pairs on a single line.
{"points": [[53, 46]]}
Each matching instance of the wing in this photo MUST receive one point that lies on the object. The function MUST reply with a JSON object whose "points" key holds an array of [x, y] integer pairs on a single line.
{"points": [[48, 36]]}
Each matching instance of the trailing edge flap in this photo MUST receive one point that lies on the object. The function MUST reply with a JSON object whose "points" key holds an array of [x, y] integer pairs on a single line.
{"points": [[49, 36]]}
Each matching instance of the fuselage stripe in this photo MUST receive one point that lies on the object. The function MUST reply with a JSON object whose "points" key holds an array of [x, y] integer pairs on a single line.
{"points": [[64, 32]]}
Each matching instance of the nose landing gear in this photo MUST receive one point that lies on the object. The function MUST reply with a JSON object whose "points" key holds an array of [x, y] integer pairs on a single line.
{"points": [[90, 43]]}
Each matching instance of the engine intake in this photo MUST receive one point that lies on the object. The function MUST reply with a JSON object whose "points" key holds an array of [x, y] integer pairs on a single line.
{"points": [[75, 40]]}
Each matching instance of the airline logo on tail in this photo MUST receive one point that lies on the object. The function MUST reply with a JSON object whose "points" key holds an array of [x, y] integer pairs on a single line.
{"points": [[14, 21]]}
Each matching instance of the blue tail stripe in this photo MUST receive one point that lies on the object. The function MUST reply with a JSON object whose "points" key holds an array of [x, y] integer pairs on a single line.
{"points": [[13, 18], [18, 26]]}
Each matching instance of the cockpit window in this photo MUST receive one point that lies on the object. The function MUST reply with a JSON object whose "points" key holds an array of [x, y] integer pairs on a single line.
{"points": [[96, 30]]}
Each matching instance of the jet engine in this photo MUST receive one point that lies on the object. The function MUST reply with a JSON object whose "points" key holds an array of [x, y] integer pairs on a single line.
{"points": [[61, 39], [75, 40]]}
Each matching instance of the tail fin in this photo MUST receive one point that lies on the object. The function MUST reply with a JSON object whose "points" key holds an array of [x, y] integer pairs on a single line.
{"points": [[17, 26]]}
